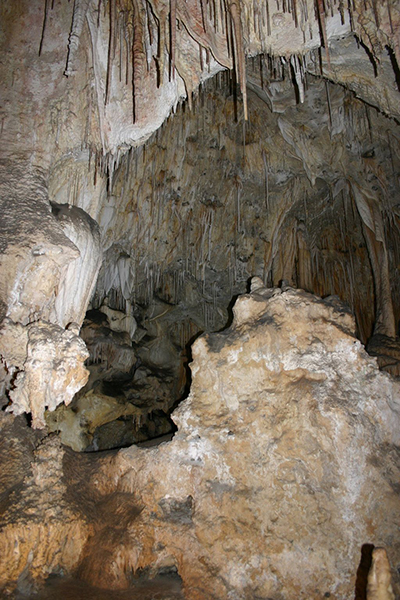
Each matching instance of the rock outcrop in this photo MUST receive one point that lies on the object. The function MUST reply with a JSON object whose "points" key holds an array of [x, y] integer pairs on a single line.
{"points": [[284, 465]]}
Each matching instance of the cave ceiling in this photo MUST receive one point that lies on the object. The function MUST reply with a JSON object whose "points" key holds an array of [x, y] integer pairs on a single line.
{"points": [[106, 74]]}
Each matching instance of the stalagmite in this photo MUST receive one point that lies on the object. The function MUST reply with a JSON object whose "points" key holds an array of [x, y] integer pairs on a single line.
{"points": [[379, 577]]}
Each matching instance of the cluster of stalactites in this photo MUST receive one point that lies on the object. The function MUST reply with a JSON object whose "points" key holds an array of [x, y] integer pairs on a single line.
{"points": [[143, 36]]}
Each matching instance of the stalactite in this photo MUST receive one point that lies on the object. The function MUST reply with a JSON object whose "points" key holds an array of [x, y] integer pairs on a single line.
{"points": [[391, 152], [328, 98], [295, 17], [389, 10], [78, 19], [238, 211], [266, 186], [138, 52], [172, 24], [321, 18], [203, 15], [299, 76], [351, 17], [46, 10], [234, 8], [216, 16], [255, 20], [375, 11], [268, 18], [111, 48]]}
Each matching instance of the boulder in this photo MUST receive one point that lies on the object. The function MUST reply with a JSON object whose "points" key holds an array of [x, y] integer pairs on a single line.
{"points": [[284, 464]]}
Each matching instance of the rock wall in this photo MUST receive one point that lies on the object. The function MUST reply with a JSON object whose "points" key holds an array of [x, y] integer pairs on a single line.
{"points": [[284, 466]]}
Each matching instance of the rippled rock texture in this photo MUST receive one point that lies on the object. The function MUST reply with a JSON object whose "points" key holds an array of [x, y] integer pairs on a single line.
{"points": [[284, 466]]}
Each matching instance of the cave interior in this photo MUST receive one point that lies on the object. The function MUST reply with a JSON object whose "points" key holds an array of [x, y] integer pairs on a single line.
{"points": [[161, 163]]}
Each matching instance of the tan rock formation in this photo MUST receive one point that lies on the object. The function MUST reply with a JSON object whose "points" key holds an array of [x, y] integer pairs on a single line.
{"points": [[42, 530], [49, 365], [271, 485], [283, 467]]}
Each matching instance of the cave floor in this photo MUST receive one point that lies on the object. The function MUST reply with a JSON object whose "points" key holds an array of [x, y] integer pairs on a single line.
{"points": [[164, 587]]}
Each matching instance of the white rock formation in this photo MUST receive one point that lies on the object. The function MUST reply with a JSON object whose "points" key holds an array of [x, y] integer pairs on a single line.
{"points": [[34, 249], [48, 269], [49, 365], [79, 278]]}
